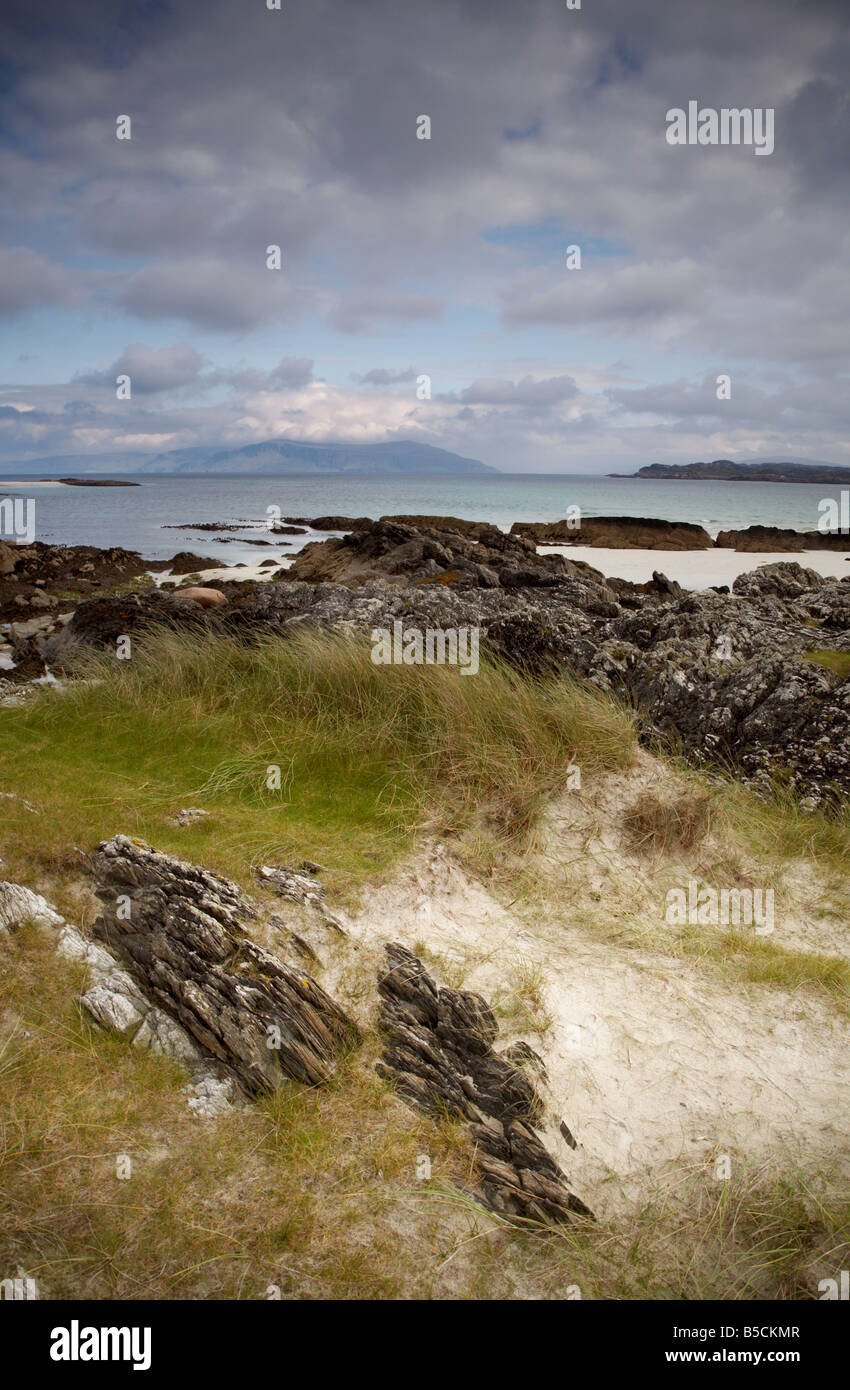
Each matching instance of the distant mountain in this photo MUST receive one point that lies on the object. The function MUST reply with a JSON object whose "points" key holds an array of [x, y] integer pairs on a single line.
{"points": [[295, 456], [761, 471], [272, 456]]}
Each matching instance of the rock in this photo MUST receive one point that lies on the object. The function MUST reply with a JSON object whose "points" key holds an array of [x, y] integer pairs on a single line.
{"points": [[335, 523], [19, 905], [761, 539], [782, 580], [439, 1054], [185, 562], [304, 891], [398, 553], [207, 598], [211, 1097], [617, 533], [189, 816], [59, 570], [99, 622], [443, 523], [179, 930]]}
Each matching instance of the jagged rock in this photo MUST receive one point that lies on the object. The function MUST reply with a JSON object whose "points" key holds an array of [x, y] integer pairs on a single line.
{"points": [[398, 553], [19, 905], [299, 889], [179, 929], [440, 1057]]}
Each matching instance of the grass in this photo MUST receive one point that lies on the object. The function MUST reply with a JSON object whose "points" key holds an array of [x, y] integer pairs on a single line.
{"points": [[837, 662], [314, 1192], [366, 755], [656, 825], [522, 1003], [752, 959]]}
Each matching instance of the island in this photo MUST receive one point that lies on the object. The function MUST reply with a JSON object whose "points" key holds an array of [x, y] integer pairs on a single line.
{"points": [[725, 470]]}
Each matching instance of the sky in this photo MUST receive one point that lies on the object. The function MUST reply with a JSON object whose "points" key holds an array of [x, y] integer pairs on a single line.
{"points": [[405, 258]]}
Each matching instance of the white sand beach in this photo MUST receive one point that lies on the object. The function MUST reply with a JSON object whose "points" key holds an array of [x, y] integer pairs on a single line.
{"points": [[696, 569]]}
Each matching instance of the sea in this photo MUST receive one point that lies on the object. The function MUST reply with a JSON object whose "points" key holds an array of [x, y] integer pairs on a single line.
{"points": [[144, 518]]}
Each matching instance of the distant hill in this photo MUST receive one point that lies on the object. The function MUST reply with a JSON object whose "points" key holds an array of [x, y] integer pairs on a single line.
{"points": [[295, 456], [783, 471], [272, 456]]}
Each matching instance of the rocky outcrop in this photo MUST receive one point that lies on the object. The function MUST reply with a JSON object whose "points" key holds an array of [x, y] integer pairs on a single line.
{"points": [[439, 1054], [179, 930], [762, 540], [727, 674], [617, 533], [34, 576], [400, 554], [99, 622]]}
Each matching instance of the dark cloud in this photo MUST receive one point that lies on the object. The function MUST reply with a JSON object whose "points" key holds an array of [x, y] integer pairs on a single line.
{"points": [[210, 295], [28, 281], [527, 392], [384, 376], [150, 370]]}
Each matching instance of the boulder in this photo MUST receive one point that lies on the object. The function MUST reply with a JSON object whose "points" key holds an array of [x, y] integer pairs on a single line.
{"points": [[207, 598]]}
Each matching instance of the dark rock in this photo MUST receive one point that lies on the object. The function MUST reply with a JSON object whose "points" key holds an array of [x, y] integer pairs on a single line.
{"points": [[185, 562], [180, 931], [617, 533], [764, 539], [335, 523], [439, 1055]]}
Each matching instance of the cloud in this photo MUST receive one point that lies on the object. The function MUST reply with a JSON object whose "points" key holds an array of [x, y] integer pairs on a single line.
{"points": [[360, 313], [210, 295], [384, 376], [527, 392], [28, 281], [298, 128], [150, 369]]}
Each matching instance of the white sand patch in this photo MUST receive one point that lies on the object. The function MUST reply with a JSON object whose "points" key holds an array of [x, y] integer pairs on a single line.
{"points": [[652, 1059], [234, 572], [696, 569]]}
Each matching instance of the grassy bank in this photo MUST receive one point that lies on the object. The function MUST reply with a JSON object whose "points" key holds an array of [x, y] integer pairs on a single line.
{"points": [[315, 1192], [366, 754]]}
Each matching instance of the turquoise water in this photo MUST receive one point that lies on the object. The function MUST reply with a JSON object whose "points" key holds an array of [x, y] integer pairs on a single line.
{"points": [[136, 517]]}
